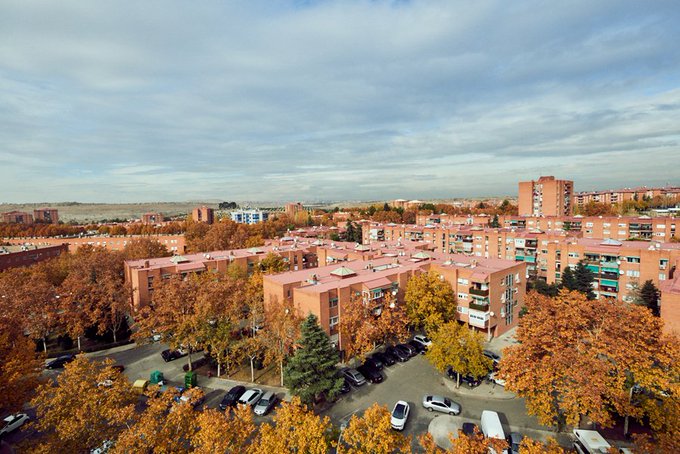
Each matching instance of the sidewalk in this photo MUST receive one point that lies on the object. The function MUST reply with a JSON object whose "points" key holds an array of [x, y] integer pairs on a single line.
{"points": [[485, 390], [497, 344]]}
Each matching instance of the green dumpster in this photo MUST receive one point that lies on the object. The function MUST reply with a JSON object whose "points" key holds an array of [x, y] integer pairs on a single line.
{"points": [[190, 379], [156, 377]]}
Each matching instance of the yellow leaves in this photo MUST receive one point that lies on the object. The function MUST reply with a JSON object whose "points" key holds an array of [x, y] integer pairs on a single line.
{"points": [[20, 370], [430, 301], [530, 446], [461, 348], [372, 434], [223, 432], [464, 444]]}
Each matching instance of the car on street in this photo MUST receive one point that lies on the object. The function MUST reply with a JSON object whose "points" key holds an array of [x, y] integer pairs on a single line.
{"points": [[400, 415], [441, 404], [250, 397], [13, 422], [514, 440], [191, 398], [493, 357], [385, 358], [469, 428], [417, 346], [345, 388], [60, 361], [375, 363], [408, 349], [170, 355], [398, 353], [423, 339], [468, 379], [231, 397], [355, 377], [266, 403], [494, 379], [371, 373]]}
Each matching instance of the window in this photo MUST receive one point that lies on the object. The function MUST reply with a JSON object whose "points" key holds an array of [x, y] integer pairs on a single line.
{"points": [[333, 302], [334, 321], [633, 259], [662, 276], [633, 273], [463, 281], [462, 296]]}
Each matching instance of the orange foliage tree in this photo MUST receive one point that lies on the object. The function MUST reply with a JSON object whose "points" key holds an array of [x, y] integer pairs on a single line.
{"points": [[372, 433], [223, 431], [461, 443]]}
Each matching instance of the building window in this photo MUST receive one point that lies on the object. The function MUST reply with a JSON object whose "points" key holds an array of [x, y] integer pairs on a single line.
{"points": [[662, 276], [462, 296], [333, 302], [334, 321], [633, 273]]}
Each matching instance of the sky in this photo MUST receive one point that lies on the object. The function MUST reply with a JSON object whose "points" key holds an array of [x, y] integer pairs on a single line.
{"points": [[129, 101]]}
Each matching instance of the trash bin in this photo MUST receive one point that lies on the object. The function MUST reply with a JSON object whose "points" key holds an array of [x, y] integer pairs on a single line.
{"points": [[156, 377], [190, 379]]}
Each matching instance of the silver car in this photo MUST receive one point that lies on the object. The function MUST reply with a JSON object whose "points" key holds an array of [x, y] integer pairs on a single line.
{"points": [[441, 404], [250, 397], [266, 403]]}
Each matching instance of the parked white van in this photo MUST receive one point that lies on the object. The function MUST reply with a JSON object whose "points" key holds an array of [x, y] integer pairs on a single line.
{"points": [[491, 426]]}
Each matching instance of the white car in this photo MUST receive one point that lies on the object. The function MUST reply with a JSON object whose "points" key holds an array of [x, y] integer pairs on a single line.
{"points": [[400, 415], [496, 380], [250, 397], [423, 339], [13, 422]]}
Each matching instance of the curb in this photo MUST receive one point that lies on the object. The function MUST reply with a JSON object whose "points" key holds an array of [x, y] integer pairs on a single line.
{"points": [[484, 390]]}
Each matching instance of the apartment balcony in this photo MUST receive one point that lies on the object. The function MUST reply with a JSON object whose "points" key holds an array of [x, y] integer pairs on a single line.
{"points": [[479, 291], [609, 275], [479, 307]]}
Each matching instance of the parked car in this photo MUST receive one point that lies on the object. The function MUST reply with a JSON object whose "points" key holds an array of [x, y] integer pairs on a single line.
{"points": [[355, 377], [266, 403], [60, 361], [345, 388], [398, 353], [514, 440], [417, 346], [250, 397], [385, 358], [229, 400], [493, 357], [191, 399], [170, 355], [372, 374], [441, 404], [469, 380], [375, 363], [408, 349], [469, 428], [494, 379], [13, 422], [423, 339], [400, 415]]}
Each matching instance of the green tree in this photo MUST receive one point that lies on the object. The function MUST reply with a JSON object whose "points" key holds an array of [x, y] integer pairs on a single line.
{"points": [[543, 287], [649, 297], [349, 231], [584, 280], [568, 280], [494, 222], [430, 301], [311, 370]]}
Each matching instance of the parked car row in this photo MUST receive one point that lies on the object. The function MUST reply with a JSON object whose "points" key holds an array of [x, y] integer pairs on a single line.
{"points": [[260, 401]]}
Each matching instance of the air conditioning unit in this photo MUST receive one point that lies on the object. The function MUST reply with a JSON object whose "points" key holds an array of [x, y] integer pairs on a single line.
{"points": [[502, 313]]}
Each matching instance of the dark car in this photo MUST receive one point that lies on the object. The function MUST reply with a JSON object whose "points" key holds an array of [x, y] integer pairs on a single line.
{"points": [[345, 388], [420, 348], [170, 355], [410, 350], [493, 357], [59, 362], [514, 441], [375, 363], [385, 358], [232, 396], [469, 380], [400, 354], [372, 374], [469, 428]]}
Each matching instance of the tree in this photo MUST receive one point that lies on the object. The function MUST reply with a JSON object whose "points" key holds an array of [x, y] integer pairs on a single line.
{"points": [[578, 357], [373, 434], [20, 369], [649, 297], [460, 348], [311, 370], [295, 429], [89, 403], [144, 248], [584, 279], [430, 301], [273, 263], [218, 431], [543, 287], [568, 280], [494, 222], [531, 446], [281, 331]]}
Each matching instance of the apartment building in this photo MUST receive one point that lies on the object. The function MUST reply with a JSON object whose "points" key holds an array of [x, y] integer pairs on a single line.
{"points": [[291, 209], [28, 254], [46, 215], [546, 196], [142, 274], [329, 252], [174, 243], [670, 303], [489, 292], [152, 218], [203, 214], [612, 196], [17, 217], [249, 216], [434, 219]]}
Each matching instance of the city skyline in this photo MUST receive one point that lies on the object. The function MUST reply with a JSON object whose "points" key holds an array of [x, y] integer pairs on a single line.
{"points": [[333, 101]]}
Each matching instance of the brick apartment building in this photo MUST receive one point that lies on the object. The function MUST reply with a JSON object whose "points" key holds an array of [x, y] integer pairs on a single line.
{"points": [[291, 209], [26, 255], [546, 196], [490, 292], [17, 217], [46, 215], [142, 274], [610, 197], [203, 214], [174, 243], [152, 218]]}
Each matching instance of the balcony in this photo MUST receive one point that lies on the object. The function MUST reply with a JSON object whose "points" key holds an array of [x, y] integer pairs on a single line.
{"points": [[479, 291], [611, 276], [479, 307]]}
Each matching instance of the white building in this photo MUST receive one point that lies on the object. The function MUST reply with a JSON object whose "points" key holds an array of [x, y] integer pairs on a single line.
{"points": [[249, 216]]}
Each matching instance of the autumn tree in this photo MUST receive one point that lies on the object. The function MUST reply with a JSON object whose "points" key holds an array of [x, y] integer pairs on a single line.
{"points": [[462, 443], [311, 370], [460, 348], [90, 403], [144, 248], [218, 431], [531, 446], [372, 433], [280, 332], [295, 429], [578, 357], [430, 301], [357, 327], [20, 369], [391, 325], [273, 263]]}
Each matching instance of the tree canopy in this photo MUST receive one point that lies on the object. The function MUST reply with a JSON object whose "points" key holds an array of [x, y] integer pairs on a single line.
{"points": [[430, 301]]}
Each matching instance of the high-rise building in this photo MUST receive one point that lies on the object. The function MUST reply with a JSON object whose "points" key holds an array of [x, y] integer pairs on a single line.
{"points": [[249, 216], [46, 215], [203, 214], [546, 196]]}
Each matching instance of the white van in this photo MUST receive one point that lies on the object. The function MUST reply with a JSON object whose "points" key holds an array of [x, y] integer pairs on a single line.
{"points": [[491, 426]]}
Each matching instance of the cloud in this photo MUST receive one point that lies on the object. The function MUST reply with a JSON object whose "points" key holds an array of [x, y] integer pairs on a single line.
{"points": [[260, 100]]}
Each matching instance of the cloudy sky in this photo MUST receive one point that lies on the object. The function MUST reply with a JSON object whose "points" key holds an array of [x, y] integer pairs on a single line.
{"points": [[121, 101]]}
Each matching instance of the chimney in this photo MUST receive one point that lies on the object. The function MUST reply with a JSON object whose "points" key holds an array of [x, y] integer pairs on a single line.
{"points": [[146, 263]]}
